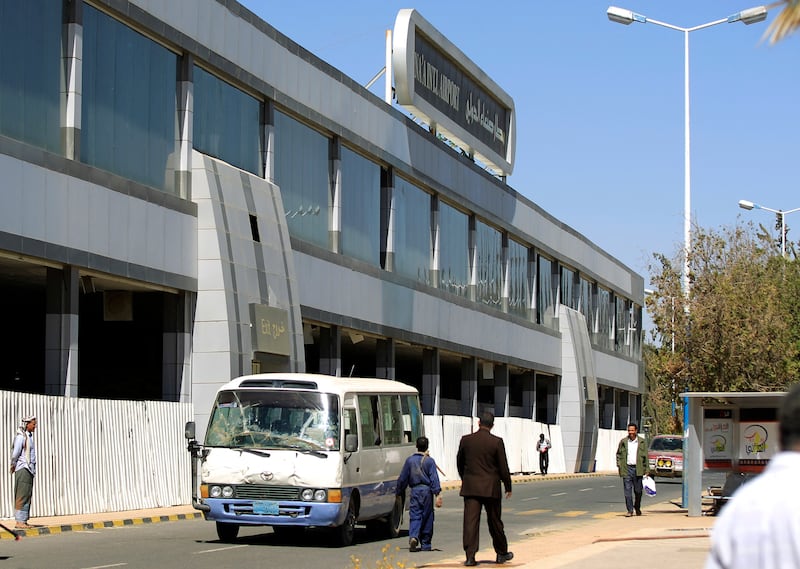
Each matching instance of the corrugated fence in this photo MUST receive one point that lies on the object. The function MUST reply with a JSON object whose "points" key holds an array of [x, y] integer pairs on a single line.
{"points": [[99, 455]]}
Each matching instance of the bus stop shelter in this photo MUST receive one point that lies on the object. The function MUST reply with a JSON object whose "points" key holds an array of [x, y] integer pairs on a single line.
{"points": [[733, 431]]}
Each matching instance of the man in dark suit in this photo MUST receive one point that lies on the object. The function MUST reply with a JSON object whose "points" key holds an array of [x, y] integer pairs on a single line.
{"points": [[483, 466]]}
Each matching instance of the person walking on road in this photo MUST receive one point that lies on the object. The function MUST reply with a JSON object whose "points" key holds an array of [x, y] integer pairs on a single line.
{"points": [[483, 467], [632, 465], [760, 525], [23, 467], [419, 473], [543, 448]]}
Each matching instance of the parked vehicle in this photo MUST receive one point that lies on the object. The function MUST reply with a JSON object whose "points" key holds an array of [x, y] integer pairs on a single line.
{"points": [[293, 451], [666, 456]]}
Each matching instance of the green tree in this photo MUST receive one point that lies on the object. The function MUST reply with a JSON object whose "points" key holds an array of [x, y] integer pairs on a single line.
{"points": [[739, 328]]}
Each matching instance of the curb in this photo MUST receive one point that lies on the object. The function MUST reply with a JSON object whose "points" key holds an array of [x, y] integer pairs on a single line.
{"points": [[56, 529]]}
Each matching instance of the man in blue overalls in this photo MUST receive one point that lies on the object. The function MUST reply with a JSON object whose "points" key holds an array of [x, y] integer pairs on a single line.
{"points": [[419, 472]]}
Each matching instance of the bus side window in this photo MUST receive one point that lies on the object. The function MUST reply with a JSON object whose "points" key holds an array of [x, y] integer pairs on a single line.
{"points": [[370, 425], [392, 419]]}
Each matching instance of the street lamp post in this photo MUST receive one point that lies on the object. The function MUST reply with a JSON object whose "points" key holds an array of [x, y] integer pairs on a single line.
{"points": [[626, 17], [748, 205]]}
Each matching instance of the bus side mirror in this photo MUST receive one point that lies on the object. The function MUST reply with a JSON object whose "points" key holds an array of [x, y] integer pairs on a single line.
{"points": [[351, 443], [188, 431]]}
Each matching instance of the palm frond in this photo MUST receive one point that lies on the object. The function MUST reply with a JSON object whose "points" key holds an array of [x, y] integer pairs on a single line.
{"points": [[786, 23]]}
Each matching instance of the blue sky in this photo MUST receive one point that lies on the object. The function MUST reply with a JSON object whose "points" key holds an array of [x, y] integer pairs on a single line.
{"points": [[600, 137]]}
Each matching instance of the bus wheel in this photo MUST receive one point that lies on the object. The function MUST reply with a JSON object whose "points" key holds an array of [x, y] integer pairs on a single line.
{"points": [[395, 518], [227, 532], [346, 532]]}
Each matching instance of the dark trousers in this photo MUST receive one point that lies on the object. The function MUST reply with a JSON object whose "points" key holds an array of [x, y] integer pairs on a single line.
{"points": [[420, 516], [632, 486], [544, 461], [472, 524]]}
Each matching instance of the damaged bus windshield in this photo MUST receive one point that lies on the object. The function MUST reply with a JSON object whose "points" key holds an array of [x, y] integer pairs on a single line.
{"points": [[299, 420]]}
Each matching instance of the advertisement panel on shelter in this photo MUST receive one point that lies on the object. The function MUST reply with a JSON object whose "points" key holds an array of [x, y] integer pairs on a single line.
{"points": [[758, 440], [718, 436]]}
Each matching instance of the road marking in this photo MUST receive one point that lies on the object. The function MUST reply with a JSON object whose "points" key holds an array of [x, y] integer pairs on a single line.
{"points": [[612, 486], [585, 489], [606, 516], [533, 512], [104, 566], [219, 549], [572, 514], [528, 499], [559, 494]]}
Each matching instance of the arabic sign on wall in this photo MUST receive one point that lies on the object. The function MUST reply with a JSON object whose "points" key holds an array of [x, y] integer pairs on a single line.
{"points": [[270, 329], [758, 440], [436, 82], [718, 438]]}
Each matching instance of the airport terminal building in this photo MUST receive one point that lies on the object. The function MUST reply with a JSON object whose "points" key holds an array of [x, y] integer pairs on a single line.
{"points": [[188, 196]]}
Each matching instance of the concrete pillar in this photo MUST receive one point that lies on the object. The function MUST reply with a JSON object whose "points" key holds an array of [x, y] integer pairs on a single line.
{"points": [[330, 351], [501, 391], [268, 144], [176, 347], [61, 333], [183, 144], [73, 80], [335, 228], [385, 358], [469, 387], [528, 396], [436, 253], [431, 382]]}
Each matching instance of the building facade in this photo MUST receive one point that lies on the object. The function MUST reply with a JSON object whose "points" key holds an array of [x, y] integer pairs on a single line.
{"points": [[189, 196]]}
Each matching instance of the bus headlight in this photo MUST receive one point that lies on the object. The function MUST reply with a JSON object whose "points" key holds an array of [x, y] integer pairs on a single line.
{"points": [[313, 495], [216, 491]]}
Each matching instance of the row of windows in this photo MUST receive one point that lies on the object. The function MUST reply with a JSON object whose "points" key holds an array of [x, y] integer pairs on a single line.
{"points": [[130, 124]]}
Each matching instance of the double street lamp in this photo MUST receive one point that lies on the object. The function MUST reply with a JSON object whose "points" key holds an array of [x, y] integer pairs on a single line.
{"points": [[626, 17], [748, 205]]}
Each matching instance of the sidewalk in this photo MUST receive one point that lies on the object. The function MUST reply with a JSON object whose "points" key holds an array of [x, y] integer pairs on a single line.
{"points": [[663, 537]]}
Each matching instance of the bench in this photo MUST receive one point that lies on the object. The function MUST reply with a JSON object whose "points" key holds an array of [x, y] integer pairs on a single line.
{"points": [[720, 495]]}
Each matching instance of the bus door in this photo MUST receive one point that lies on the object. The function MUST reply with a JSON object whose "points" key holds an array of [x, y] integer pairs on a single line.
{"points": [[374, 487]]}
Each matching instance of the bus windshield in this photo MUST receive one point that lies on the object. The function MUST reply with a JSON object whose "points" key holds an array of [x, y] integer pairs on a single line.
{"points": [[275, 419]]}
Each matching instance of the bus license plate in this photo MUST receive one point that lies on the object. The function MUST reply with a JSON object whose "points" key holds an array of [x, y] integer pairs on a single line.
{"points": [[265, 507]]}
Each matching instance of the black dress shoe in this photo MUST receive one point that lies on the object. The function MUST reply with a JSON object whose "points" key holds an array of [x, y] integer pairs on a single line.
{"points": [[470, 562], [503, 557], [638, 512]]}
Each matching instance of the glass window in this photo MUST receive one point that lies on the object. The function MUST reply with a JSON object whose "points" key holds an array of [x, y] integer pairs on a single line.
{"points": [[30, 72], [129, 107], [412, 417], [489, 255], [226, 122], [412, 226], [302, 171], [392, 419], [568, 296], [453, 250], [604, 329], [275, 419], [636, 331], [370, 420], [545, 293], [585, 301], [622, 324], [361, 207], [518, 282]]}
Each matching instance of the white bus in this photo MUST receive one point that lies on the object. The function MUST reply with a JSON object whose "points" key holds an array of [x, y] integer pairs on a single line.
{"points": [[293, 451]]}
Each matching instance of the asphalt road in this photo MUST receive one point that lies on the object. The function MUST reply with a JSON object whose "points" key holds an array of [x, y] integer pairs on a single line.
{"points": [[534, 507]]}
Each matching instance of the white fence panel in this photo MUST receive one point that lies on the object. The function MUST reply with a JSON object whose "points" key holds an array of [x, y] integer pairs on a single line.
{"points": [[606, 456], [98, 455]]}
